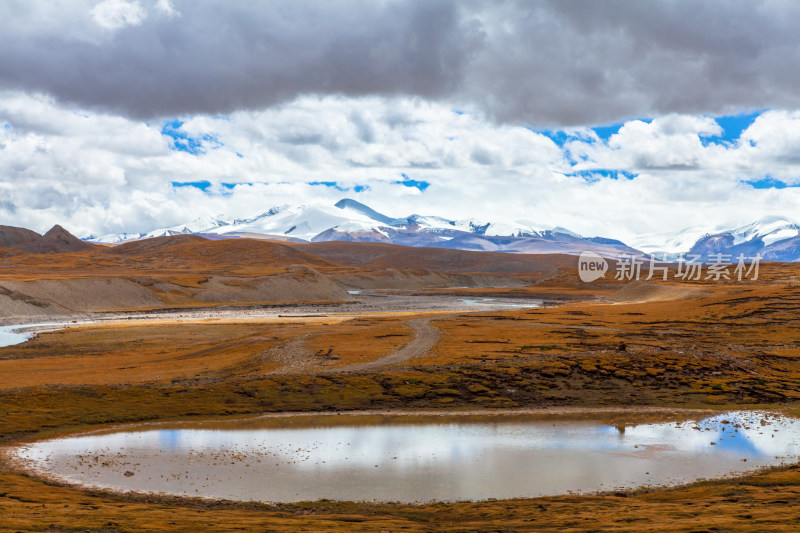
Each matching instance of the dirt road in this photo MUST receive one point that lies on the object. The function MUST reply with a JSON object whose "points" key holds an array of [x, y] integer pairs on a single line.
{"points": [[425, 336]]}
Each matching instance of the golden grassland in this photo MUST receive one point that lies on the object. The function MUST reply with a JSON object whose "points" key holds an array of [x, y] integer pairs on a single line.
{"points": [[163, 351], [719, 346]]}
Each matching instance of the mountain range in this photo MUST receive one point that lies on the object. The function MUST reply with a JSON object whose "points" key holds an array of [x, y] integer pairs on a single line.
{"points": [[774, 237], [349, 220]]}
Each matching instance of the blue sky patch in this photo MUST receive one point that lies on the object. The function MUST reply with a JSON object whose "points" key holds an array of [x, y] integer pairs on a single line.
{"points": [[6, 126], [604, 132], [557, 136], [596, 174], [732, 126], [408, 182], [560, 137], [202, 185], [331, 184], [768, 182], [206, 186], [335, 185], [183, 142]]}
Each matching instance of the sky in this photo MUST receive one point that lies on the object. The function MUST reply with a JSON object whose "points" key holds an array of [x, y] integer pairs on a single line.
{"points": [[611, 118]]}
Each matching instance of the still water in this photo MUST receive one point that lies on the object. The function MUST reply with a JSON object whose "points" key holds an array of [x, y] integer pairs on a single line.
{"points": [[9, 335], [19, 333], [449, 458]]}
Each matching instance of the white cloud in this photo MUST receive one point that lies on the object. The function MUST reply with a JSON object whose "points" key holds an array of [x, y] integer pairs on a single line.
{"points": [[166, 8], [683, 149], [670, 143], [772, 142], [98, 173], [116, 14]]}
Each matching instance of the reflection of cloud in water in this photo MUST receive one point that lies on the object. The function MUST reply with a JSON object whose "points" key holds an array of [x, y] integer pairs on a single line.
{"points": [[779, 437], [431, 443], [749, 439]]}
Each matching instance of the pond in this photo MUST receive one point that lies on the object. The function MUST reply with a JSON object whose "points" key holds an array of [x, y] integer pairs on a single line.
{"points": [[414, 459], [17, 334], [10, 336]]}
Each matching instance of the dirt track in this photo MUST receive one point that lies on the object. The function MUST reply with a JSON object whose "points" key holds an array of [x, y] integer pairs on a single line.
{"points": [[425, 336]]}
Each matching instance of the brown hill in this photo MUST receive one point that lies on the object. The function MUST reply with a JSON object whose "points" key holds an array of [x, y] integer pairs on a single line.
{"points": [[382, 256], [156, 245], [250, 254], [57, 240], [18, 238], [189, 271]]}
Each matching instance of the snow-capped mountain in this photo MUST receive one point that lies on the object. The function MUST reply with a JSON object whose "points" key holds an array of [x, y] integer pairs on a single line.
{"points": [[671, 244], [349, 220], [771, 236], [769, 230], [201, 224], [301, 222], [113, 238], [775, 238]]}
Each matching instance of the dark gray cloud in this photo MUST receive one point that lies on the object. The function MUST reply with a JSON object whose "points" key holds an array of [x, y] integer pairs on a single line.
{"points": [[546, 63], [583, 61]]}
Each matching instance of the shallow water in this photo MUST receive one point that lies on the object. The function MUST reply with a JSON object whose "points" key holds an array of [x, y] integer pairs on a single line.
{"points": [[452, 458], [17, 334], [9, 336], [483, 300]]}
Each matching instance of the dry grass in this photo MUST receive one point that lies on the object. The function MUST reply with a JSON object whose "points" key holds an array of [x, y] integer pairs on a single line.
{"points": [[163, 351], [363, 339]]}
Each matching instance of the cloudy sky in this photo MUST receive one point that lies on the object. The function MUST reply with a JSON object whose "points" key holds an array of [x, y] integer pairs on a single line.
{"points": [[607, 117]]}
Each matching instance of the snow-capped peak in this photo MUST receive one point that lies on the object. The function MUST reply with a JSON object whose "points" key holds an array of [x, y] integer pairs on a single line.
{"points": [[769, 229], [347, 216], [669, 243], [113, 238], [203, 224], [301, 222], [525, 228], [352, 206]]}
